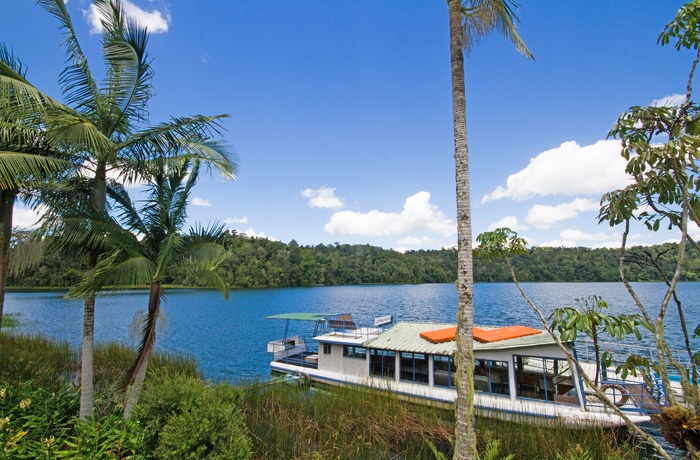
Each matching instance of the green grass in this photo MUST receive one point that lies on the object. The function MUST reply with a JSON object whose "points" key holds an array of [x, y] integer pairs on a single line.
{"points": [[10, 320], [282, 420]]}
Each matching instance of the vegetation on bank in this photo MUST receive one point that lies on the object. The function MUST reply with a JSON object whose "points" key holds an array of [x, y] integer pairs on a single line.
{"points": [[259, 262], [182, 416]]}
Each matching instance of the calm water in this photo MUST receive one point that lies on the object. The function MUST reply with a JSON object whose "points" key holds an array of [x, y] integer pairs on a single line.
{"points": [[229, 339]]}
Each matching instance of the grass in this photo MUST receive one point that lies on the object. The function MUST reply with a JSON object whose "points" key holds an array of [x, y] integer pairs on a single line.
{"points": [[287, 421]]}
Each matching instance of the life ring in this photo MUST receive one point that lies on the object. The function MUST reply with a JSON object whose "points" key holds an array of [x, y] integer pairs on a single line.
{"points": [[620, 389]]}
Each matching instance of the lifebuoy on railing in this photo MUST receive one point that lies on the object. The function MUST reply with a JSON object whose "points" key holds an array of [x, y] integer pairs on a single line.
{"points": [[620, 389]]}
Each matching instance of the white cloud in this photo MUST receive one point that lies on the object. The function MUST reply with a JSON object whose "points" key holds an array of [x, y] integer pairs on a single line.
{"points": [[669, 101], [567, 170], [235, 220], [323, 197], [253, 234], [415, 241], [544, 216], [578, 235], [26, 218], [200, 202], [155, 21], [558, 244], [510, 222], [418, 215]]}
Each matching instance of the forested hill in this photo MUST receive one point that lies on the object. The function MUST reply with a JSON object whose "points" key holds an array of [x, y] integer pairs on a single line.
{"points": [[257, 262]]}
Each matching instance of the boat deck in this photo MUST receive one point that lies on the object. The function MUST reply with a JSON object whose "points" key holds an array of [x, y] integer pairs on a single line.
{"points": [[306, 359]]}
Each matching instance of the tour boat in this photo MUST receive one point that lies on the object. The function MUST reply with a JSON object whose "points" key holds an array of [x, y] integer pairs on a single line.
{"points": [[520, 373]]}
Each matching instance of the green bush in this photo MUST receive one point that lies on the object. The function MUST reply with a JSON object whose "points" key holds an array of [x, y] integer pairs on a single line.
{"points": [[183, 417]]}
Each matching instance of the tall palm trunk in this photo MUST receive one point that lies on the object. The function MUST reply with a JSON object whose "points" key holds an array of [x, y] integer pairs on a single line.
{"points": [[7, 204], [137, 373], [465, 436], [98, 199], [87, 352]]}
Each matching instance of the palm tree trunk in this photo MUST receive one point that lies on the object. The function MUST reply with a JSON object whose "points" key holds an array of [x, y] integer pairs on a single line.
{"points": [[137, 373], [98, 199], [7, 204], [87, 352], [465, 436]]}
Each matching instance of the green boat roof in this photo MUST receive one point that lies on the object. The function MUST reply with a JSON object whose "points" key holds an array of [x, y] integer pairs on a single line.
{"points": [[304, 316]]}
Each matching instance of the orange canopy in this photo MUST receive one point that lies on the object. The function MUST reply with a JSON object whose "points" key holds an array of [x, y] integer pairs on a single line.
{"points": [[440, 335], [503, 333], [481, 335]]}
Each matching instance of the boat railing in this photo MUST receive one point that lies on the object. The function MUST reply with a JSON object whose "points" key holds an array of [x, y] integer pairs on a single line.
{"points": [[295, 351], [628, 396], [586, 351]]}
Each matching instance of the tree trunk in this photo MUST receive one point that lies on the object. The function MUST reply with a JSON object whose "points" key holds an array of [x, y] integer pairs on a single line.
{"points": [[98, 199], [87, 352], [7, 204], [465, 436], [137, 373]]}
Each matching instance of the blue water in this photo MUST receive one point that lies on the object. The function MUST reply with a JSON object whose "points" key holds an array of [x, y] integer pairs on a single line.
{"points": [[228, 339]]}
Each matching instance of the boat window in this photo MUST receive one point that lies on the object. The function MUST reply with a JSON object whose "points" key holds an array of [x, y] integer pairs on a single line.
{"points": [[350, 351], [414, 367], [547, 379], [326, 348], [444, 371], [491, 376], [382, 363]]}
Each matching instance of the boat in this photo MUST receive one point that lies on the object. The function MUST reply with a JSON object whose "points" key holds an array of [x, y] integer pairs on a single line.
{"points": [[520, 373]]}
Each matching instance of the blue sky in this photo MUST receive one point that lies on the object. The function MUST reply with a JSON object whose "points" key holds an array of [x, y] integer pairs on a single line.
{"points": [[341, 115]]}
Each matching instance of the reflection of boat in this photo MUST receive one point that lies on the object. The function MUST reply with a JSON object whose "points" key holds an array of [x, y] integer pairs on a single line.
{"points": [[520, 373]]}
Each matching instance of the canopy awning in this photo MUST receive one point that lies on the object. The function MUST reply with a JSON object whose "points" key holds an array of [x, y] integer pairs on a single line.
{"points": [[303, 316]]}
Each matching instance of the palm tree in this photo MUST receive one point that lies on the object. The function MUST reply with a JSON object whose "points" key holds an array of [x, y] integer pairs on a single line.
{"points": [[147, 244], [26, 158], [470, 22], [107, 129]]}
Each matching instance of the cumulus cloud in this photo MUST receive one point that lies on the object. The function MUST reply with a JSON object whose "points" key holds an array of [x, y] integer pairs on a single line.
{"points": [[418, 215], [200, 202], [558, 244], [250, 233], [323, 197], [235, 220], [510, 222], [544, 216], [669, 101], [155, 21], [26, 218], [567, 170], [579, 235], [416, 241]]}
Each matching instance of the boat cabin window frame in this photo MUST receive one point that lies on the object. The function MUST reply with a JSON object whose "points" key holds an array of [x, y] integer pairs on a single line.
{"points": [[491, 376], [414, 367], [444, 371], [354, 352], [545, 378], [382, 363], [327, 348]]}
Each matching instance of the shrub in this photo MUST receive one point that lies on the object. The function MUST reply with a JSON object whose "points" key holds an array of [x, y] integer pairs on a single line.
{"points": [[183, 417]]}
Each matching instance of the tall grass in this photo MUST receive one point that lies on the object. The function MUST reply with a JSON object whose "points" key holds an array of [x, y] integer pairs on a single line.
{"points": [[281, 420], [291, 422]]}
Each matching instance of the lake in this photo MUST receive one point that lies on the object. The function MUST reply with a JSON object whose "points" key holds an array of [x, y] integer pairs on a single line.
{"points": [[228, 339]]}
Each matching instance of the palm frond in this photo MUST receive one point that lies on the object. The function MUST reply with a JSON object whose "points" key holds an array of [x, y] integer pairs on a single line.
{"points": [[79, 86], [167, 139], [128, 79], [19, 169], [482, 17], [75, 133], [119, 270], [127, 213]]}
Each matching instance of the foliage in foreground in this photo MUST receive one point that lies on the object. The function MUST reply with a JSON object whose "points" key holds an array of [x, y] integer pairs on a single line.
{"points": [[181, 416]]}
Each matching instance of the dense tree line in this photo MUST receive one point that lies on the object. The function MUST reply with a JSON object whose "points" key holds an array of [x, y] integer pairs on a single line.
{"points": [[259, 262]]}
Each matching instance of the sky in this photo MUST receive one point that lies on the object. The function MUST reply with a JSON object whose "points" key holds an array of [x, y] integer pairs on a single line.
{"points": [[341, 113]]}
